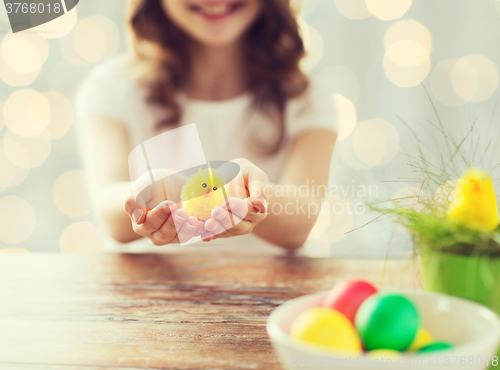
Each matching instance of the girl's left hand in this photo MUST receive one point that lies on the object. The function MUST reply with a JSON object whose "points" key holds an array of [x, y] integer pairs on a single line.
{"points": [[242, 215]]}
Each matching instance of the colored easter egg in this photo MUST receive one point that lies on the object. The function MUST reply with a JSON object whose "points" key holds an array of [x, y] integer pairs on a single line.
{"points": [[387, 321], [422, 339], [436, 346], [347, 296], [326, 327], [386, 354]]}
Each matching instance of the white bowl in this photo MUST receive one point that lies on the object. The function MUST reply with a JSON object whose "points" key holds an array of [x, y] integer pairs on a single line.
{"points": [[472, 328]]}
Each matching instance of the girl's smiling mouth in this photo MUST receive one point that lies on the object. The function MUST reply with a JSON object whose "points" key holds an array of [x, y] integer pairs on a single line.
{"points": [[216, 10]]}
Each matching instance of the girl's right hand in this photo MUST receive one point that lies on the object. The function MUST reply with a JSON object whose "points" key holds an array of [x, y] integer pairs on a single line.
{"points": [[158, 224], [167, 222]]}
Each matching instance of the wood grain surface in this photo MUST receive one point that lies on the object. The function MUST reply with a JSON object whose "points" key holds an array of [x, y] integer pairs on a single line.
{"points": [[154, 311]]}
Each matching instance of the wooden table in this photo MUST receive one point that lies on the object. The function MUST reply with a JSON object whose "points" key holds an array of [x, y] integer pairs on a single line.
{"points": [[173, 311]]}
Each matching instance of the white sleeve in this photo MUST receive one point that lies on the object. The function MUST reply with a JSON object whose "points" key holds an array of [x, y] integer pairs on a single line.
{"points": [[312, 110], [104, 92]]}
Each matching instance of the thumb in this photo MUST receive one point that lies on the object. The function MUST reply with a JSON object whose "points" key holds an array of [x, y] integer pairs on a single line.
{"points": [[257, 186], [134, 210]]}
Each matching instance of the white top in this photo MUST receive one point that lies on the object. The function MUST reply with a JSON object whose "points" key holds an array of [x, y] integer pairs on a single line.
{"points": [[226, 128]]}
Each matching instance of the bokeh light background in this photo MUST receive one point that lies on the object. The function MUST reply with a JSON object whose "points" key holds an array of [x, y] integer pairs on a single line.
{"points": [[372, 55]]}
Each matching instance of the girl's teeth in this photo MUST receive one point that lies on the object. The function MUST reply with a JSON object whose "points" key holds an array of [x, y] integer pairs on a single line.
{"points": [[216, 10]]}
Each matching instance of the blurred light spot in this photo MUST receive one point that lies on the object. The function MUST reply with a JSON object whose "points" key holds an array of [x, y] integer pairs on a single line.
{"points": [[407, 63], [410, 197], [407, 53], [318, 248], [70, 194], [486, 74], [388, 9], [27, 112], [369, 144], [375, 142], [408, 30], [14, 78], [391, 139], [61, 115], [10, 174], [14, 250], [17, 220], [353, 9], [340, 80], [92, 40], [24, 52], [27, 152], [464, 80], [348, 154], [341, 218], [58, 27], [313, 44], [345, 115], [81, 237], [441, 84]]}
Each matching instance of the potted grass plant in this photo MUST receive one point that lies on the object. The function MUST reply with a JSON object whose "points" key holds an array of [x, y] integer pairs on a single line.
{"points": [[453, 219]]}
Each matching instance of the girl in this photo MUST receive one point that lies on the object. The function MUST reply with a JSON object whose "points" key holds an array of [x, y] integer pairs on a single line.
{"points": [[231, 67]]}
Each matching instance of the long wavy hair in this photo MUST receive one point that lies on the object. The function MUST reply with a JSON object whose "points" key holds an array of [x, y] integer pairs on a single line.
{"points": [[274, 49]]}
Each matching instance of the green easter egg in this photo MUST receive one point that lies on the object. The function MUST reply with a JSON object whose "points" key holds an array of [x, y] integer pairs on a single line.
{"points": [[436, 346], [387, 321]]}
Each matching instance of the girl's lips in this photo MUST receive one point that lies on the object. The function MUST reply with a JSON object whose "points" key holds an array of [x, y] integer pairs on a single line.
{"points": [[216, 10]]}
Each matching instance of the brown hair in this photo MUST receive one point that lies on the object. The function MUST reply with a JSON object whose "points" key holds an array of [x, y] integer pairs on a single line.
{"points": [[274, 50]]}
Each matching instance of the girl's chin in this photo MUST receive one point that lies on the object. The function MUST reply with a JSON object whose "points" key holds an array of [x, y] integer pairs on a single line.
{"points": [[218, 40]]}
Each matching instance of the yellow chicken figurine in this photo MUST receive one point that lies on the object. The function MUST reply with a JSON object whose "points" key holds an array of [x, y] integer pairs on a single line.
{"points": [[475, 204], [202, 192]]}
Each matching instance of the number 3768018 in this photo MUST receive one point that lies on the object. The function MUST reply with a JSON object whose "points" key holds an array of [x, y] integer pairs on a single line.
{"points": [[33, 8]]}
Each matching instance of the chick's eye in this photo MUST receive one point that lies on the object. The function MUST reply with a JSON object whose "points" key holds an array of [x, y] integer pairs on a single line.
{"points": [[204, 185], [215, 188]]}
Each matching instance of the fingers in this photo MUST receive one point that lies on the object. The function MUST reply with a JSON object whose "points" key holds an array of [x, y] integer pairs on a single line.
{"points": [[237, 188], [188, 229], [256, 182], [223, 216], [225, 224], [155, 218], [135, 212], [244, 209], [167, 233]]}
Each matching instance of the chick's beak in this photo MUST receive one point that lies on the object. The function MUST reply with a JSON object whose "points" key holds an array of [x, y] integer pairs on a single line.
{"points": [[477, 186]]}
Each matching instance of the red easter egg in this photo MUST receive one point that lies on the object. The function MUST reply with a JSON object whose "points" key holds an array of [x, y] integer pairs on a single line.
{"points": [[347, 296]]}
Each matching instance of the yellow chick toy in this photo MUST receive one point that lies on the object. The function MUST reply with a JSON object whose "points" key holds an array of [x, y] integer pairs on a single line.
{"points": [[475, 204], [202, 192]]}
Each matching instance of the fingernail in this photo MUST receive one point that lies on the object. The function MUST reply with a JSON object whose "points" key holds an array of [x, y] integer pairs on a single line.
{"points": [[219, 215], [161, 205], [264, 202], [137, 215], [179, 218]]}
